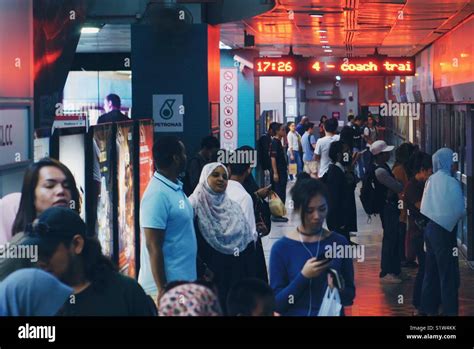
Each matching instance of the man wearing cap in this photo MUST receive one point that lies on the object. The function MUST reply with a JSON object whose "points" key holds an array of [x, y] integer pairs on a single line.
{"points": [[387, 188], [77, 260]]}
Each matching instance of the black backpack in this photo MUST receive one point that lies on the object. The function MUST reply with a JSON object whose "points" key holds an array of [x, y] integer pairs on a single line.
{"points": [[369, 197]]}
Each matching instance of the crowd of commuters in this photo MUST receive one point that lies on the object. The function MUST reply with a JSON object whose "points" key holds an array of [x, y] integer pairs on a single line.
{"points": [[201, 235]]}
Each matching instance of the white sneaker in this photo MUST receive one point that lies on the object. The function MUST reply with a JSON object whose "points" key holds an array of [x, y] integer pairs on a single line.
{"points": [[391, 279]]}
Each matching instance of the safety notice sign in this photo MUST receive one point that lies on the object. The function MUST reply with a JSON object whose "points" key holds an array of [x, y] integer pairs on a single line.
{"points": [[228, 108]]}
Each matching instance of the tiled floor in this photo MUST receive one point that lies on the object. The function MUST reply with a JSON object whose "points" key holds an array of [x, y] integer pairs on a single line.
{"points": [[374, 298]]}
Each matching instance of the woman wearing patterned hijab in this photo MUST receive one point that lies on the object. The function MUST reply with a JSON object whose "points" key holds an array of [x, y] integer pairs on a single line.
{"points": [[189, 299], [226, 249]]}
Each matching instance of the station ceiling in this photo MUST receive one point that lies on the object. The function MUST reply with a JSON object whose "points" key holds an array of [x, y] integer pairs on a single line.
{"points": [[348, 27]]}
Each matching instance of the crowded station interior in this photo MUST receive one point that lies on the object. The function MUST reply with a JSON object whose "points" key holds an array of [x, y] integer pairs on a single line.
{"points": [[236, 158]]}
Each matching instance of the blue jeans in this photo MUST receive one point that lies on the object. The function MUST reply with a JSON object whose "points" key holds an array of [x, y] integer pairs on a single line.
{"points": [[441, 281]]}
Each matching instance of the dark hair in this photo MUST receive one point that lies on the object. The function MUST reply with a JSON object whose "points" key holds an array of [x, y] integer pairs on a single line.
{"points": [[116, 102], [347, 136], [331, 125], [308, 126], [289, 124], [210, 142], [421, 161], [275, 127], [336, 149], [238, 169], [244, 296], [350, 117], [164, 149], [403, 153], [97, 267], [358, 118], [323, 119], [27, 211], [304, 190]]}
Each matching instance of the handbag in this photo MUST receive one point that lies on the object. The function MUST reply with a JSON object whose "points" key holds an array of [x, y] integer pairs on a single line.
{"points": [[277, 207], [293, 169], [331, 305]]}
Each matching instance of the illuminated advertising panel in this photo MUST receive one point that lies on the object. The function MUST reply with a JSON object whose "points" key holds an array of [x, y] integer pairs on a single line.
{"points": [[125, 194]]}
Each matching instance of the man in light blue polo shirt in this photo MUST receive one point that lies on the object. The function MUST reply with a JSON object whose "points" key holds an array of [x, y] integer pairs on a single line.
{"points": [[168, 241]]}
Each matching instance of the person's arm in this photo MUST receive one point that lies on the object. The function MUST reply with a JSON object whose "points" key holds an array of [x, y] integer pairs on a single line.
{"points": [[273, 154], [317, 151], [412, 203], [347, 272], [154, 244], [286, 291], [249, 213], [312, 141], [385, 179]]}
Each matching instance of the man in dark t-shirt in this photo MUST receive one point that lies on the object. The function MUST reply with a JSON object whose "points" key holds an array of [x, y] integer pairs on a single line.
{"points": [[279, 172], [77, 260]]}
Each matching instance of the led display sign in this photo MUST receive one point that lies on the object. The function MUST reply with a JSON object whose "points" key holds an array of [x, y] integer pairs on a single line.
{"points": [[329, 66], [283, 66], [369, 66]]}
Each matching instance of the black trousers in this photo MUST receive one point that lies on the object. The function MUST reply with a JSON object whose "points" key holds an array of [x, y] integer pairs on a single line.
{"points": [[418, 244], [280, 187], [390, 263], [441, 280]]}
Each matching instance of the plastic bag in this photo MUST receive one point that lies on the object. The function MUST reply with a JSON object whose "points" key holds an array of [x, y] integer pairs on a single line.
{"points": [[331, 305], [293, 169], [277, 207]]}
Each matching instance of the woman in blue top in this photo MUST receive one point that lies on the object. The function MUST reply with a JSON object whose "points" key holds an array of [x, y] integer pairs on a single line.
{"points": [[298, 267]]}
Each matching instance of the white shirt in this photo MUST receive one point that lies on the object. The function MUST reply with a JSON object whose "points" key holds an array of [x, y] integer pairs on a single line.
{"points": [[293, 141], [237, 193], [322, 149]]}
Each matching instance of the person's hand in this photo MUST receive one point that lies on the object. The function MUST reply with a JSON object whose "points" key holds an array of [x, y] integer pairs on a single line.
{"points": [[292, 157], [262, 229], [313, 268], [263, 192], [276, 179]]}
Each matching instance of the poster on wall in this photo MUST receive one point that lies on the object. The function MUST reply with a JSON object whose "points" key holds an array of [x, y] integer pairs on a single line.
{"points": [[104, 226], [125, 204], [146, 155], [14, 135], [72, 154], [228, 108]]}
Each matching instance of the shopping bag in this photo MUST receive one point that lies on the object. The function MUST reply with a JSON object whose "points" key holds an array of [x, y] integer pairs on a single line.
{"points": [[292, 169], [331, 305], [277, 207]]}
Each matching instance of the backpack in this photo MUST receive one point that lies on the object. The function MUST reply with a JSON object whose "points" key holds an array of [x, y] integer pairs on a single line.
{"points": [[369, 197]]}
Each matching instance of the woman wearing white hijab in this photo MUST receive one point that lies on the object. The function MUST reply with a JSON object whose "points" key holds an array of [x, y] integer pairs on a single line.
{"points": [[443, 204], [226, 246]]}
